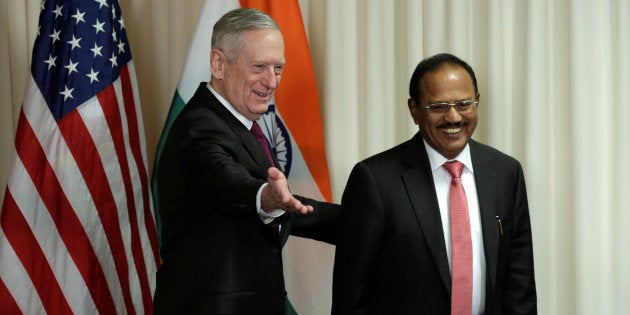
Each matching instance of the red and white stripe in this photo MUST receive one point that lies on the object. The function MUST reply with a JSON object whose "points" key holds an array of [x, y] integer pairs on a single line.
{"points": [[77, 232]]}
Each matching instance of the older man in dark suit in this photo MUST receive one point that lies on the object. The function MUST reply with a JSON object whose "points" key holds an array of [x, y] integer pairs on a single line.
{"points": [[438, 224], [226, 211]]}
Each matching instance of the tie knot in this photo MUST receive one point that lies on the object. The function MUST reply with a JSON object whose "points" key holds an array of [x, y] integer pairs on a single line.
{"points": [[256, 131], [454, 168]]}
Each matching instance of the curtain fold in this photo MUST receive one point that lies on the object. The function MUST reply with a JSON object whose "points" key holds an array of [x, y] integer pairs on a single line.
{"points": [[553, 78]]}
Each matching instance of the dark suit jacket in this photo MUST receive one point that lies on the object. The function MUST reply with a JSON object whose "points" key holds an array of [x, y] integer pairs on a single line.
{"points": [[218, 255], [391, 255]]}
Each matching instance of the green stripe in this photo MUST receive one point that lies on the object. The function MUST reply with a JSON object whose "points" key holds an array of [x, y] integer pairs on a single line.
{"points": [[176, 107], [289, 310]]}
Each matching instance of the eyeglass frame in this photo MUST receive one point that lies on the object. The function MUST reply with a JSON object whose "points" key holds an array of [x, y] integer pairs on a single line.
{"points": [[445, 106]]}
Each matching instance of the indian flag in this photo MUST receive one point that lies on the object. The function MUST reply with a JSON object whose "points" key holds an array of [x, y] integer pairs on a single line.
{"points": [[293, 125]]}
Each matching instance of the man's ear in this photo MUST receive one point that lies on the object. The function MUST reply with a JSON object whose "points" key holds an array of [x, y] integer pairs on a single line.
{"points": [[217, 63], [414, 110]]}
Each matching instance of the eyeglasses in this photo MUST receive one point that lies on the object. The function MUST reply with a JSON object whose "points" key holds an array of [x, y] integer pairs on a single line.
{"points": [[464, 106]]}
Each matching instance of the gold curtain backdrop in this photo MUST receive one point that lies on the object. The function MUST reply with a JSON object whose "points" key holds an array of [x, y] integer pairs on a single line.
{"points": [[553, 77]]}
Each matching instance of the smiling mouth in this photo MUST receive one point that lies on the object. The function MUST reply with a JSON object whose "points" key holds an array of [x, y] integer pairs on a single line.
{"points": [[452, 130], [261, 94]]}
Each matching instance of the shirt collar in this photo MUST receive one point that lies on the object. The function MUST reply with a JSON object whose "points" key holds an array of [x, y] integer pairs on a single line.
{"points": [[246, 122], [436, 159]]}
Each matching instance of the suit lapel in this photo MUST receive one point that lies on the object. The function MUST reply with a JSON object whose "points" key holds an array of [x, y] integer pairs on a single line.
{"points": [[252, 146], [250, 143], [419, 181], [487, 187]]}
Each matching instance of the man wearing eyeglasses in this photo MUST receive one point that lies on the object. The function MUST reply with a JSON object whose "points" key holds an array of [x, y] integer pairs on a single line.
{"points": [[440, 223]]}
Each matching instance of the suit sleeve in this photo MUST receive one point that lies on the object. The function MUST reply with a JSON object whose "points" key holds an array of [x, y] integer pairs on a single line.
{"points": [[215, 159], [321, 224], [360, 237], [519, 294]]}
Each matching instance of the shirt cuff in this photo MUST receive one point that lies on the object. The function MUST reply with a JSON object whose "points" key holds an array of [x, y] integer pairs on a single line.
{"points": [[266, 217]]}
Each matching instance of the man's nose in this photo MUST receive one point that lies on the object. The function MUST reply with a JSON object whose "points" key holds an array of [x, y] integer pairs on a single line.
{"points": [[270, 79], [452, 115]]}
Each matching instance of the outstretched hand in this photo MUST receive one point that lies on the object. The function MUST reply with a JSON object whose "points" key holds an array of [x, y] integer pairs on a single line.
{"points": [[276, 195]]}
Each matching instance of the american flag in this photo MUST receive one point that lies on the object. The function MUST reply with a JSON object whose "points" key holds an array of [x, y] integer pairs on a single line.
{"points": [[77, 232]]}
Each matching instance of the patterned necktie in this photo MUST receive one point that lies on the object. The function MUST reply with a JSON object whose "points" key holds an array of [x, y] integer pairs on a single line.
{"points": [[461, 243], [257, 132]]}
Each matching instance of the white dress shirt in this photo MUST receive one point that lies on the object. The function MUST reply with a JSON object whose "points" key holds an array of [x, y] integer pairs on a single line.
{"points": [[267, 217], [442, 182]]}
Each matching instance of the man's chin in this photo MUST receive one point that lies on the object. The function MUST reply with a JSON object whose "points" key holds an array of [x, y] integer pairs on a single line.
{"points": [[261, 109]]}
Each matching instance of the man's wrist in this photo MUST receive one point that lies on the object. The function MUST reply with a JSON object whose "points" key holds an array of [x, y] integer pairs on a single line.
{"points": [[267, 217]]}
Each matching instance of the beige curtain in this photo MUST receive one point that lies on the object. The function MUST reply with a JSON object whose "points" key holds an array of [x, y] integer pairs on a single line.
{"points": [[553, 77]]}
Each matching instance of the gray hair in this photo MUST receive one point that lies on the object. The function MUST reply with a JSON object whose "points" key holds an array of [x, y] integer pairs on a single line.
{"points": [[228, 30]]}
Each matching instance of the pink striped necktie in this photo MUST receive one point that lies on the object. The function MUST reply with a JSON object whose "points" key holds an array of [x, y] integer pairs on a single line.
{"points": [[461, 243], [257, 132]]}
